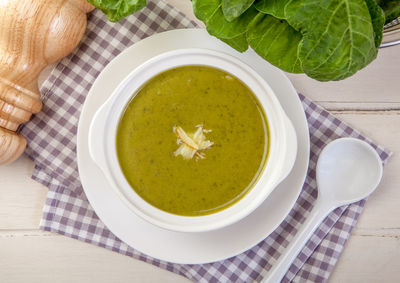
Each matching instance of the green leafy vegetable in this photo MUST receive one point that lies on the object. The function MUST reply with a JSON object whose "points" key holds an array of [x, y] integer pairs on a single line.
{"points": [[275, 8], [234, 32], [239, 42], [116, 10], [378, 20], [326, 39], [338, 38], [276, 41], [234, 8], [204, 9], [391, 9]]}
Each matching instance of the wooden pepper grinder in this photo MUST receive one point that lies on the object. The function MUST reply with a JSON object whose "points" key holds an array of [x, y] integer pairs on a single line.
{"points": [[33, 34]]}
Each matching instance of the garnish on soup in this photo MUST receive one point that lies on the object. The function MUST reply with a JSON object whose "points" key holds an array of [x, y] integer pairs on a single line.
{"points": [[191, 145]]}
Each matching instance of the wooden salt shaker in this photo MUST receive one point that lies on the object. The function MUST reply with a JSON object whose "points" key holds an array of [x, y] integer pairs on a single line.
{"points": [[33, 34]]}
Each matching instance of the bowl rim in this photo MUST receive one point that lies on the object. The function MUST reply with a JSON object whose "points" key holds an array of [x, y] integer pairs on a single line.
{"points": [[146, 71]]}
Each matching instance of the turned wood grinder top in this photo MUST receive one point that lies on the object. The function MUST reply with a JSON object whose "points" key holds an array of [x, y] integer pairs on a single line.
{"points": [[33, 34]]}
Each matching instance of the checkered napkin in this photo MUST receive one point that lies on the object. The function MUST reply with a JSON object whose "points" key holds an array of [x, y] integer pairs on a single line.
{"points": [[51, 138]]}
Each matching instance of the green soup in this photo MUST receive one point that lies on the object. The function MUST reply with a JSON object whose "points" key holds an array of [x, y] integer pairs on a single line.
{"points": [[216, 177]]}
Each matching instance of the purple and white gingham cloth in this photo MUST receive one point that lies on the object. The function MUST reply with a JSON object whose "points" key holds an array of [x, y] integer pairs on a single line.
{"points": [[51, 136]]}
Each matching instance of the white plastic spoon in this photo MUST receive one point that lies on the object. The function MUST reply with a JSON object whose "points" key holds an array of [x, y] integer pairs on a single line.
{"points": [[348, 170]]}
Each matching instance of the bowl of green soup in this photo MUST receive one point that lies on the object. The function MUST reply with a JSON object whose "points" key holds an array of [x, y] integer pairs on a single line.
{"points": [[193, 140]]}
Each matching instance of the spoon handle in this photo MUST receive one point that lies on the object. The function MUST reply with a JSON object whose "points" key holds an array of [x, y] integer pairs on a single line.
{"points": [[281, 266]]}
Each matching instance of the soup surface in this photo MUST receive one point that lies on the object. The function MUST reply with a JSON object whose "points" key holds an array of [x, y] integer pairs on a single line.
{"points": [[222, 169]]}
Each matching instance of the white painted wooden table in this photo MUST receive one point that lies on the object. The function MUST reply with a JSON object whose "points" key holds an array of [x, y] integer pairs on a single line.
{"points": [[369, 101]]}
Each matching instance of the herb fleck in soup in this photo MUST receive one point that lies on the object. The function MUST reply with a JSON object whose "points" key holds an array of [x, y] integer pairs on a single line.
{"points": [[189, 107]]}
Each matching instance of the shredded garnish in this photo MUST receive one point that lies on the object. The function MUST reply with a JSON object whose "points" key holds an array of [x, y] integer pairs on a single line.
{"points": [[191, 145]]}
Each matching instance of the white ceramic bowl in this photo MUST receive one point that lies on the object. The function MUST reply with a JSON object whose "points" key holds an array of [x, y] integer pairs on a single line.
{"points": [[282, 150]]}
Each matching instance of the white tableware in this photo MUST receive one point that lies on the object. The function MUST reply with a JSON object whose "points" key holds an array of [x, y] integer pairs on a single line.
{"points": [[282, 139], [348, 170], [178, 247]]}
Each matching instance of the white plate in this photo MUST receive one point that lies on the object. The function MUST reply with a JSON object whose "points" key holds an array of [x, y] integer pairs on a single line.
{"points": [[178, 247]]}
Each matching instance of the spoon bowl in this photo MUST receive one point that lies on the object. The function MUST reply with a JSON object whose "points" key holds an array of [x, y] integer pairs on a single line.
{"points": [[348, 170]]}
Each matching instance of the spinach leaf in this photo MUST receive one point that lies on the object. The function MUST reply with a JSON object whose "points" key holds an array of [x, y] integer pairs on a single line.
{"points": [[378, 20], [234, 8], [326, 39], [234, 32], [296, 12], [301, 13], [204, 9], [116, 10], [276, 41], [275, 8], [391, 9], [239, 42], [217, 25], [338, 38]]}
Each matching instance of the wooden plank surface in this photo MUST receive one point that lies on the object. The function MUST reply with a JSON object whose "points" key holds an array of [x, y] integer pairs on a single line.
{"points": [[32, 256], [369, 101], [21, 198]]}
